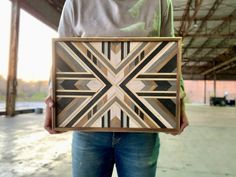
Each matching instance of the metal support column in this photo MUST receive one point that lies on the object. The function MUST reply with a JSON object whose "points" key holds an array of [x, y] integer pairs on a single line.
{"points": [[205, 89], [214, 84], [12, 66]]}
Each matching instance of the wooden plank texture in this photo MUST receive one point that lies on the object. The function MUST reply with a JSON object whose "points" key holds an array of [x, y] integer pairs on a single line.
{"points": [[13, 54], [116, 84]]}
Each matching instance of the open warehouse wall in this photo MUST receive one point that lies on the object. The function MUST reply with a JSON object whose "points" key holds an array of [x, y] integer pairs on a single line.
{"points": [[196, 92]]}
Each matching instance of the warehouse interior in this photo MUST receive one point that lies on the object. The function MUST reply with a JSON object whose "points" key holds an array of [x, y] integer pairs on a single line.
{"points": [[207, 146]]}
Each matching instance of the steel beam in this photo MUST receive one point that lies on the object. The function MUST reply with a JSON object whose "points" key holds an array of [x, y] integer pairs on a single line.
{"points": [[211, 36], [187, 19], [222, 76], [222, 43], [227, 18], [222, 57], [216, 34], [203, 23], [194, 59], [205, 89], [207, 47], [226, 68], [219, 66], [215, 83]]}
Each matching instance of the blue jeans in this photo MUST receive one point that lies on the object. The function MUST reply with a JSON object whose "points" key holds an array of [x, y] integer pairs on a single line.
{"points": [[94, 154]]}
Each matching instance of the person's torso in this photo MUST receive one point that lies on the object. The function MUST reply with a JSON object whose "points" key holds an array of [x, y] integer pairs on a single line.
{"points": [[116, 17]]}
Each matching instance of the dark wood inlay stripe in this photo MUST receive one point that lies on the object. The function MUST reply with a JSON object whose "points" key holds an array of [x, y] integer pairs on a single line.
{"points": [[59, 93], [76, 75], [156, 94], [156, 76]]}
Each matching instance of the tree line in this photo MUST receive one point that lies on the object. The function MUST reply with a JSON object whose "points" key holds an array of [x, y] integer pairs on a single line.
{"points": [[26, 91]]}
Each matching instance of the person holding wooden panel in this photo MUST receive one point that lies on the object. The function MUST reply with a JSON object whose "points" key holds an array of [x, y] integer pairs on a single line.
{"points": [[95, 153]]}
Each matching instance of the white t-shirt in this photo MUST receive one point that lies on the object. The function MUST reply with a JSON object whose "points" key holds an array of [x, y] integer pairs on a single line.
{"points": [[117, 18]]}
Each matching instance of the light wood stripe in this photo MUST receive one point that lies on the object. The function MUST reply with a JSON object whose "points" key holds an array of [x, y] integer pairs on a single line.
{"points": [[75, 91], [160, 97], [72, 73], [158, 79], [73, 96], [75, 78], [150, 91], [159, 74]]}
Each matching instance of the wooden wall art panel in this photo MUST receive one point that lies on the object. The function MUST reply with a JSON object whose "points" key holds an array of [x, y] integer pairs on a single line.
{"points": [[116, 84]]}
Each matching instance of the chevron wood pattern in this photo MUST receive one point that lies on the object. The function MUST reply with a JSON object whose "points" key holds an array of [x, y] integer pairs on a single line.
{"points": [[116, 84]]}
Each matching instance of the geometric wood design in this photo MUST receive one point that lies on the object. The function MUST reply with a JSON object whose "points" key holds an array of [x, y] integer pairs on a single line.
{"points": [[116, 84]]}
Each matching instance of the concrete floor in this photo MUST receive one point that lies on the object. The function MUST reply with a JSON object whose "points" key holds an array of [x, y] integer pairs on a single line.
{"points": [[206, 149]]}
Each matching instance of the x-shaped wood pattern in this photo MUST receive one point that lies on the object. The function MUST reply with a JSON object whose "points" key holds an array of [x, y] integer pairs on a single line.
{"points": [[116, 84]]}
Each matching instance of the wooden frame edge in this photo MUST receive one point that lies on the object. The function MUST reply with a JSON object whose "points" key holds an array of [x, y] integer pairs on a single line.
{"points": [[146, 130], [119, 39], [53, 81], [179, 73]]}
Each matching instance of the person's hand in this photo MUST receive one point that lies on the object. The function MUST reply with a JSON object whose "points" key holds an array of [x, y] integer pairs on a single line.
{"points": [[183, 119], [48, 116]]}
